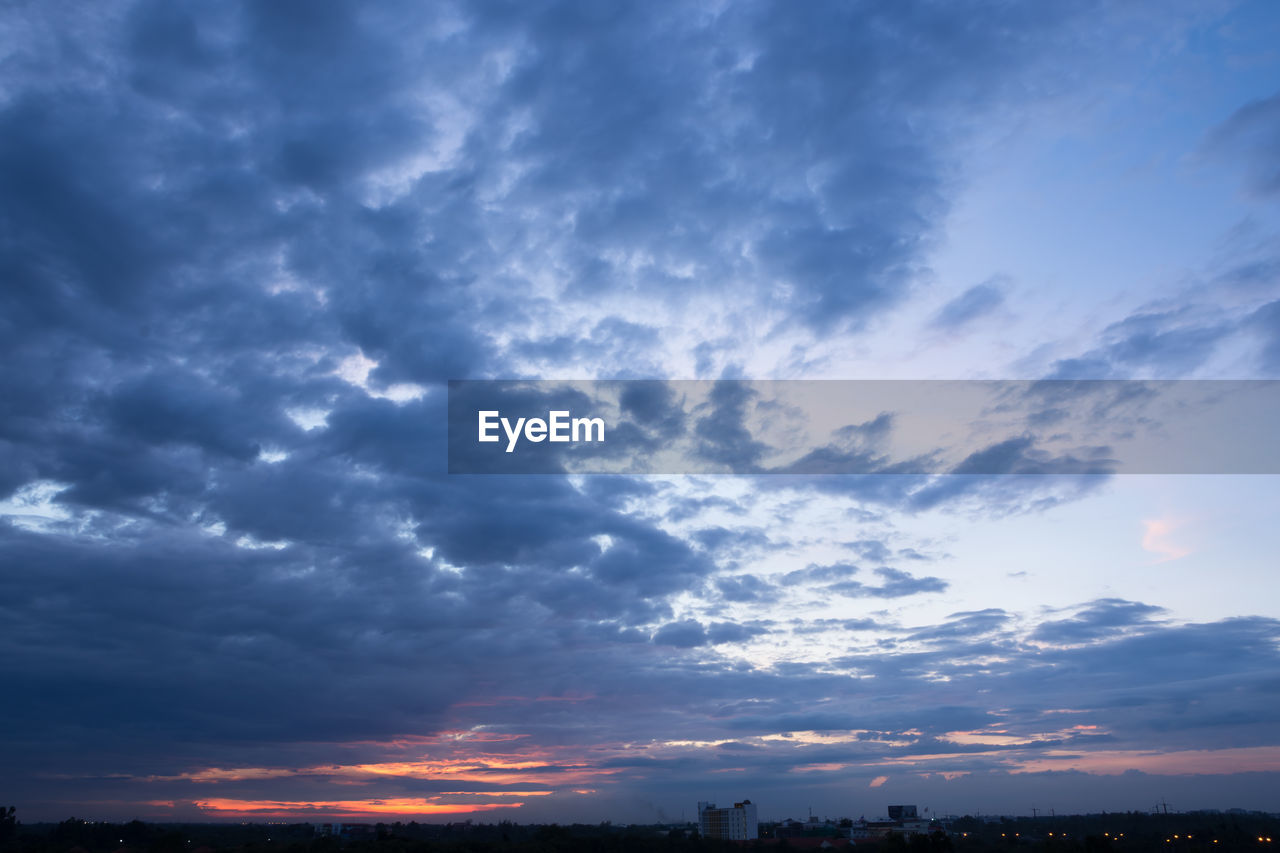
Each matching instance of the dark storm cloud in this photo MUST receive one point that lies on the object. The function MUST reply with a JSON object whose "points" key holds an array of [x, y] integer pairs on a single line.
{"points": [[182, 408], [182, 638], [768, 69]]}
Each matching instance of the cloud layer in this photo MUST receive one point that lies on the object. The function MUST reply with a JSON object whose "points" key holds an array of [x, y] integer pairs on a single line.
{"points": [[242, 249]]}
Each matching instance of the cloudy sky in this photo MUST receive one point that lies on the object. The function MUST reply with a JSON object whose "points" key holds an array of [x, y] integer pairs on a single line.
{"points": [[243, 246]]}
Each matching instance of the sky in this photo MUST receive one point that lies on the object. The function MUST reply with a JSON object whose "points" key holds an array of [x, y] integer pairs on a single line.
{"points": [[244, 247]]}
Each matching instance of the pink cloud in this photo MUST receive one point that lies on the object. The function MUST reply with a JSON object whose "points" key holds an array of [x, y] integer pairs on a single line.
{"points": [[1155, 539]]}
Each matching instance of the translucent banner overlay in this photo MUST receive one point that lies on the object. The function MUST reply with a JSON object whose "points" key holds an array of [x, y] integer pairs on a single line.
{"points": [[808, 427]]}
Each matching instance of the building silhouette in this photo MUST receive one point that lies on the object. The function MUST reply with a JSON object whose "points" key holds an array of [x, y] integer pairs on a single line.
{"points": [[730, 824]]}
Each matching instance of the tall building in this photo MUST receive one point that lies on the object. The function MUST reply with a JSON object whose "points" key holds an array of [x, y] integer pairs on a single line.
{"points": [[736, 824]]}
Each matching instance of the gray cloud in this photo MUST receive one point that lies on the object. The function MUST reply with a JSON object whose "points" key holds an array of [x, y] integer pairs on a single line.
{"points": [[1250, 136], [204, 213], [974, 303]]}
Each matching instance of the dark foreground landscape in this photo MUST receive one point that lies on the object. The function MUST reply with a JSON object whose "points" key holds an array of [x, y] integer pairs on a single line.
{"points": [[1132, 831]]}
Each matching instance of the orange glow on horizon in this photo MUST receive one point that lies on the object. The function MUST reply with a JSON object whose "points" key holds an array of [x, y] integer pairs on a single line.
{"points": [[487, 769], [226, 807], [828, 767], [529, 772], [404, 806], [496, 793], [539, 772]]}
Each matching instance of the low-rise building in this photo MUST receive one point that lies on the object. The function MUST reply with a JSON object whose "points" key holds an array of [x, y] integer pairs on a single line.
{"points": [[903, 820]]}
